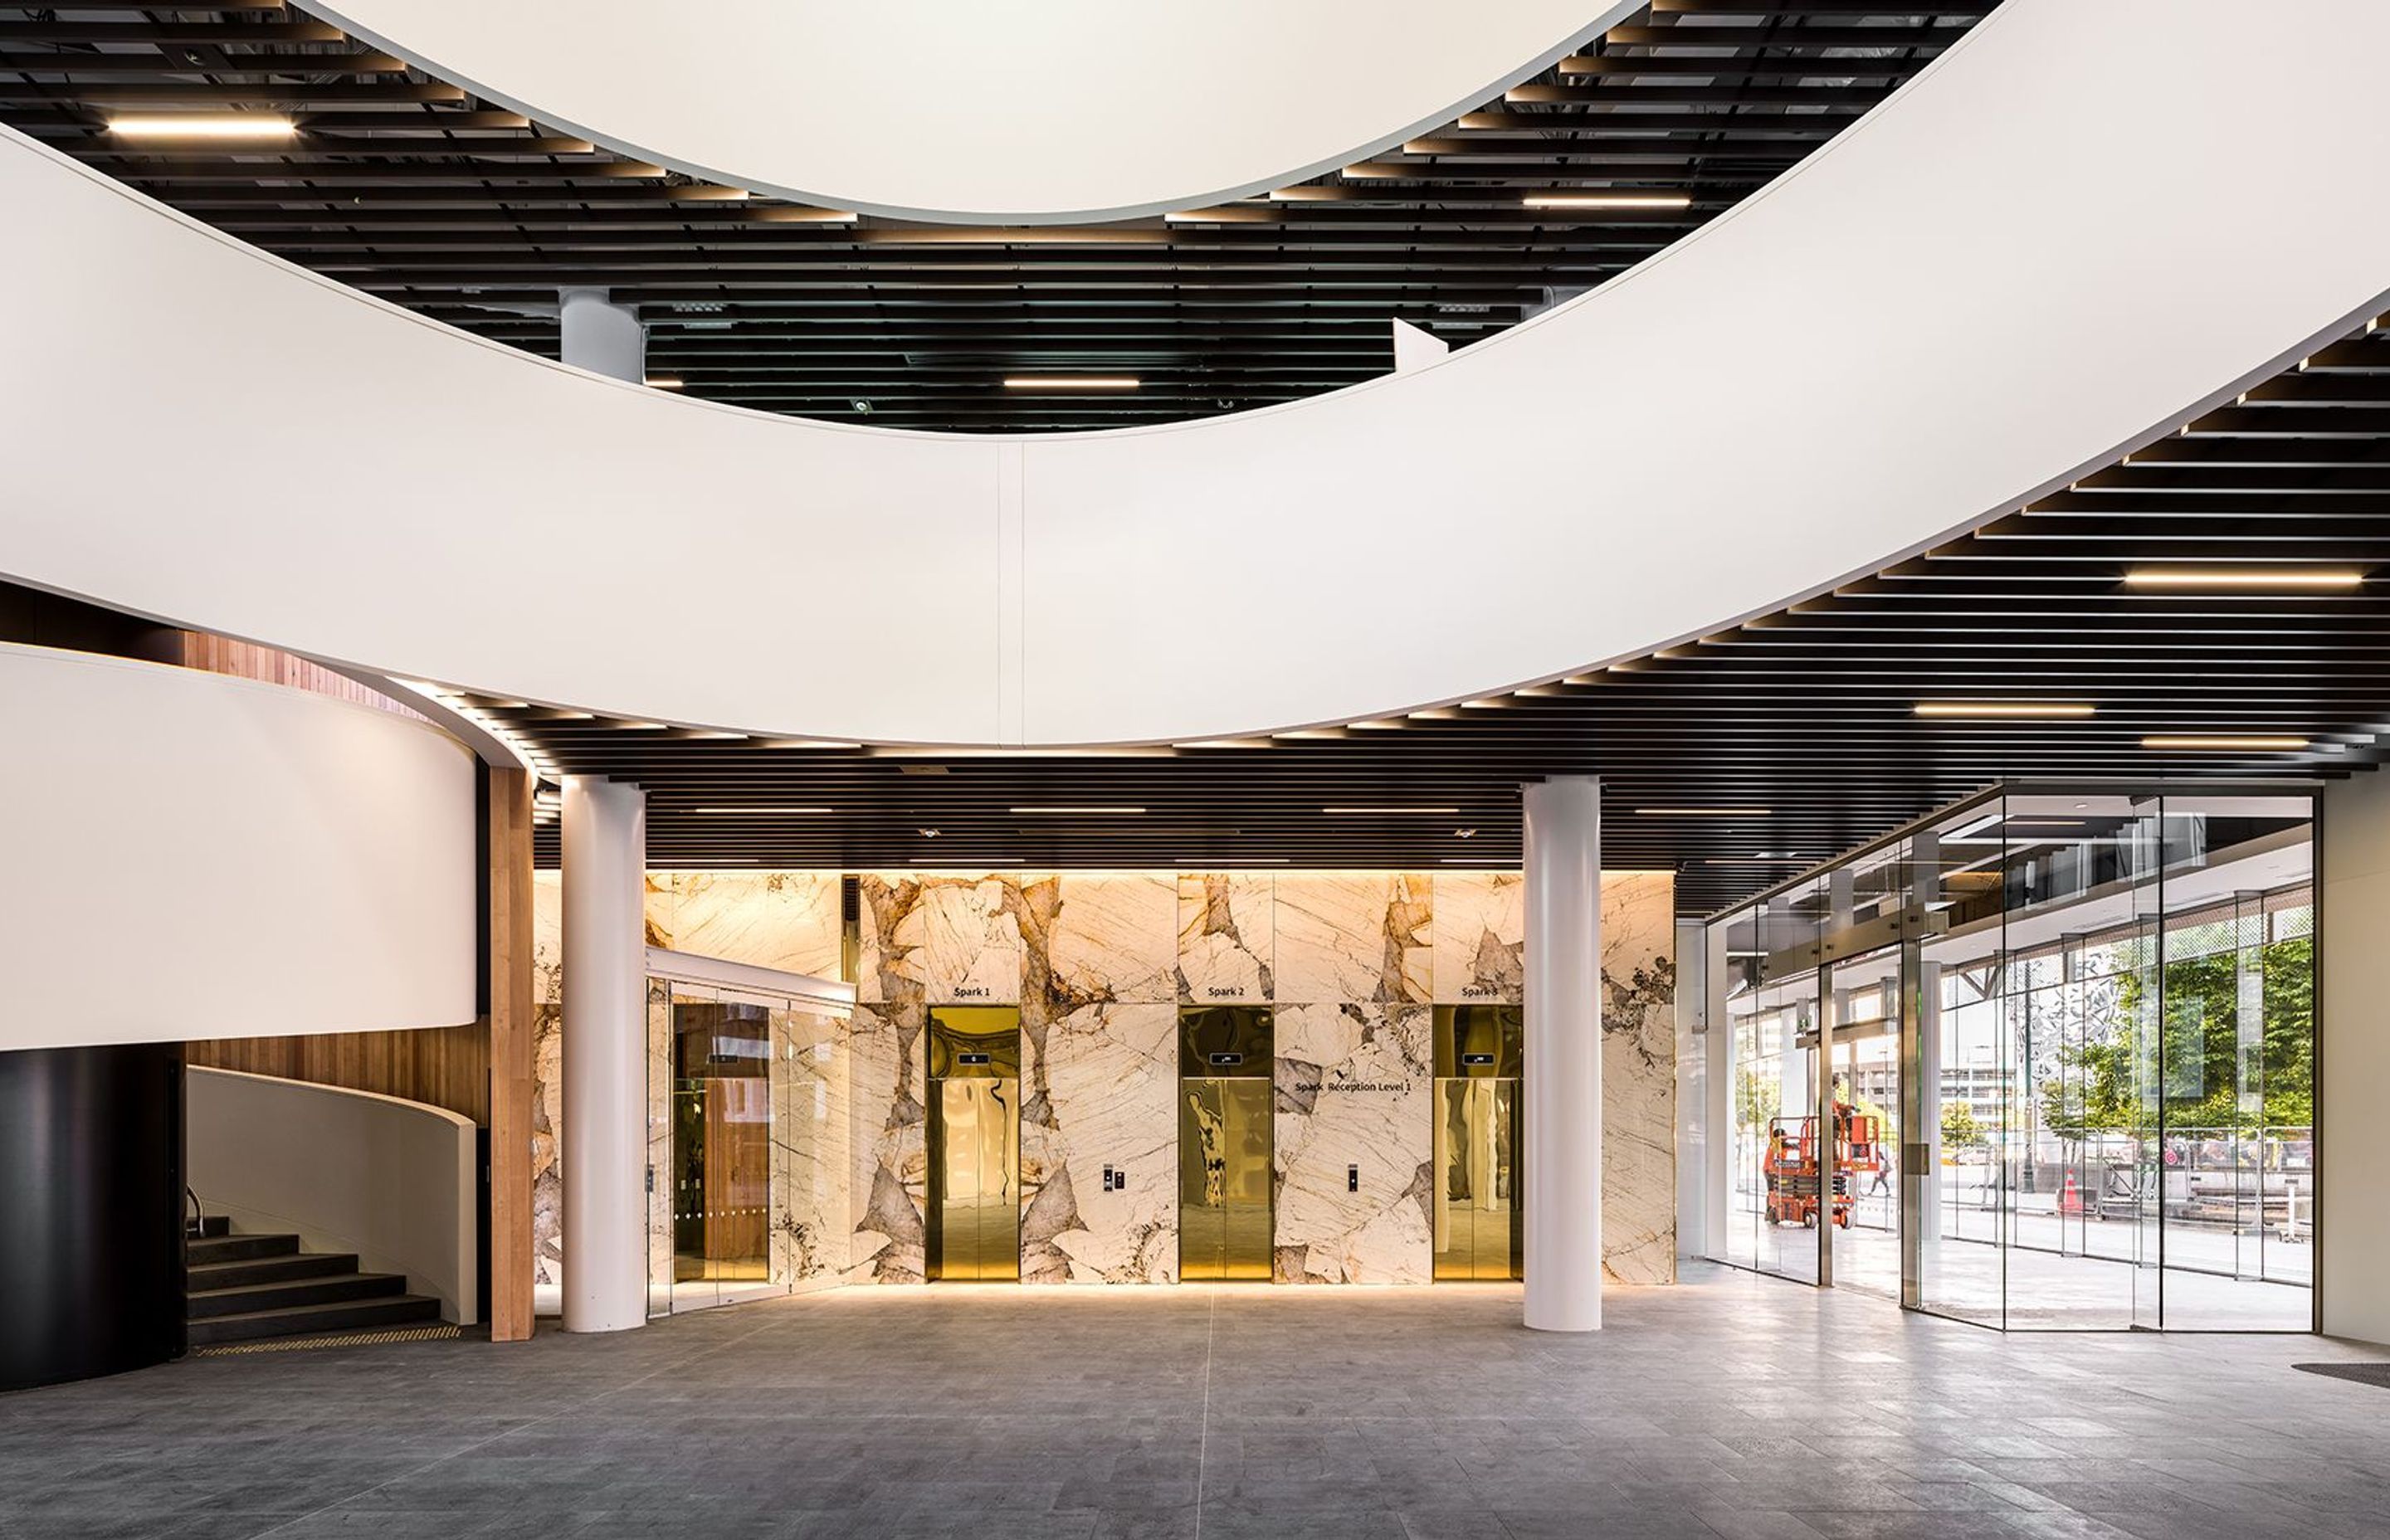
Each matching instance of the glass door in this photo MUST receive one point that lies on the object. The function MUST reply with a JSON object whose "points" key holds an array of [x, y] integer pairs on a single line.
{"points": [[1864, 997], [718, 1174]]}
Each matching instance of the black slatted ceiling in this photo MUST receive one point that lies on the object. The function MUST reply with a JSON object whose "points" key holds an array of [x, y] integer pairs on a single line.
{"points": [[409, 188]]}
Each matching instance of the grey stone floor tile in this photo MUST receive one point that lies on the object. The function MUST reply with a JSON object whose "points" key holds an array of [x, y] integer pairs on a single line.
{"points": [[1730, 1408]]}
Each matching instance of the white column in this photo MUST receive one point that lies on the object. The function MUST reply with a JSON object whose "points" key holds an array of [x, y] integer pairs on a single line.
{"points": [[1564, 1054], [602, 337], [605, 839]]}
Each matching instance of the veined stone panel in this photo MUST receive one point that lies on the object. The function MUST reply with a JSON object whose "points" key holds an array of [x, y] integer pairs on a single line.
{"points": [[783, 919], [547, 1077], [889, 1170], [812, 1228], [944, 938], [1227, 937], [1099, 1089], [1639, 1076], [660, 1151], [1112, 936], [1355, 1091], [1481, 937], [1356, 936]]}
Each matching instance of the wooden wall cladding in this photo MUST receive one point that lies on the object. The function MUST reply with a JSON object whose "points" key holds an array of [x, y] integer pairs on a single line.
{"points": [[446, 1067], [247, 661]]}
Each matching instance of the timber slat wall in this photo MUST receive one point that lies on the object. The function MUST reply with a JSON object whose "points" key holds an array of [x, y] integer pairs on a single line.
{"points": [[448, 1067]]}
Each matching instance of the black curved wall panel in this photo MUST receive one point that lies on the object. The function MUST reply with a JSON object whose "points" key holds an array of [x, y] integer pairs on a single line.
{"points": [[91, 1211]]}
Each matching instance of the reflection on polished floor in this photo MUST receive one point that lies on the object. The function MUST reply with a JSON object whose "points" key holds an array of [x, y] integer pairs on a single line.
{"points": [[1734, 1407]]}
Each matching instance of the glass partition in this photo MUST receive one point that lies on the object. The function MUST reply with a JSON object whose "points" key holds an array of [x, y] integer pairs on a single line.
{"points": [[2070, 1074]]}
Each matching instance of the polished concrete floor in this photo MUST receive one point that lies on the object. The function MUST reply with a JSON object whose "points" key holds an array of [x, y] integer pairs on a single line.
{"points": [[1733, 1407]]}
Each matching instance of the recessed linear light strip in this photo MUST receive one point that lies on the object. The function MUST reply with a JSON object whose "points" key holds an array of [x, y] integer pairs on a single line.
{"points": [[762, 811], [213, 126], [1365, 812], [1704, 812], [1125, 812], [1071, 382], [2245, 577], [1607, 200], [2015, 710], [2228, 743]]}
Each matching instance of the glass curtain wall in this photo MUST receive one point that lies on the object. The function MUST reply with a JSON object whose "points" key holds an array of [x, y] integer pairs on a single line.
{"points": [[2072, 1062]]}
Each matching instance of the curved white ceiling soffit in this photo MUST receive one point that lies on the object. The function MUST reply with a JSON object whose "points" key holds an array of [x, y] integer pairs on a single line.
{"points": [[986, 112], [2068, 236]]}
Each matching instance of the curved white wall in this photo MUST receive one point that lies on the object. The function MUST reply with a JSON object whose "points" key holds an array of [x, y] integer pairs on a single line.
{"points": [[2080, 227], [191, 855], [345, 1171], [1005, 111]]}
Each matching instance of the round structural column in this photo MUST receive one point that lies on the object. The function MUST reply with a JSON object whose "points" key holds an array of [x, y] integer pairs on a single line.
{"points": [[91, 1210], [596, 334], [605, 843], [1564, 1054]]}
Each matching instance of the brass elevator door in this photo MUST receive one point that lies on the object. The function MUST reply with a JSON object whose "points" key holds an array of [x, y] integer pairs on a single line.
{"points": [[1224, 1179], [973, 1231], [978, 1198], [1477, 1232]]}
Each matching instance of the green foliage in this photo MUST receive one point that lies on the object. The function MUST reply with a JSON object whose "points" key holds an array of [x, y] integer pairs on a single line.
{"points": [[2115, 1077], [1961, 1127]]}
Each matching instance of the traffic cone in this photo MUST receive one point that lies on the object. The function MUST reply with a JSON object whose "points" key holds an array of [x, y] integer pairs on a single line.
{"points": [[2070, 1199]]}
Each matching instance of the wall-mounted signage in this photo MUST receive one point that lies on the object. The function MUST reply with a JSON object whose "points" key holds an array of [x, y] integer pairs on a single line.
{"points": [[1477, 1059], [1228, 1059], [973, 1058]]}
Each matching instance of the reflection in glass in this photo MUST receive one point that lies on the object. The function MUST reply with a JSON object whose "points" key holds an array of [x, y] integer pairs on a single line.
{"points": [[721, 1140], [2087, 1021]]}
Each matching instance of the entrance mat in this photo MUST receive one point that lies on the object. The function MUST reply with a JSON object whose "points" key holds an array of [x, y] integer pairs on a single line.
{"points": [[352, 1338], [2364, 1374]]}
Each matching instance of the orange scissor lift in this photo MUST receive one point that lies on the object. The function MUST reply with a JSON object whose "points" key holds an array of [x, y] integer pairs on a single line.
{"points": [[1793, 1166]]}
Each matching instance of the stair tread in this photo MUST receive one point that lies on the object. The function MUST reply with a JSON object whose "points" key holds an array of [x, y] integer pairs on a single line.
{"points": [[298, 1265], [407, 1303], [233, 1248], [231, 1290]]}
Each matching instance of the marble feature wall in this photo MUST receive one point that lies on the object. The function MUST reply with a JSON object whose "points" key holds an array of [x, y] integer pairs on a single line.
{"points": [[783, 919], [941, 938], [1227, 936], [888, 1167], [812, 1225], [547, 1078], [1639, 1076], [1100, 1089], [1098, 963], [1480, 938], [1351, 1177], [1354, 936]]}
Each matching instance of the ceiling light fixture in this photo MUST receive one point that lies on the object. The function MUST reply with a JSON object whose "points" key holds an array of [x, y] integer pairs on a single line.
{"points": [[2042, 710], [2228, 743], [1224, 743], [213, 126], [1366, 811], [1704, 812], [1123, 811], [1607, 200], [1071, 382], [664, 382], [761, 810], [2245, 577]]}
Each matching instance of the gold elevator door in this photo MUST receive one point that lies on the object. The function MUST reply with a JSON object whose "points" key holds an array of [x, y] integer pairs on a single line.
{"points": [[1476, 1213], [1477, 1194], [974, 1145], [1225, 1139], [1224, 1171]]}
